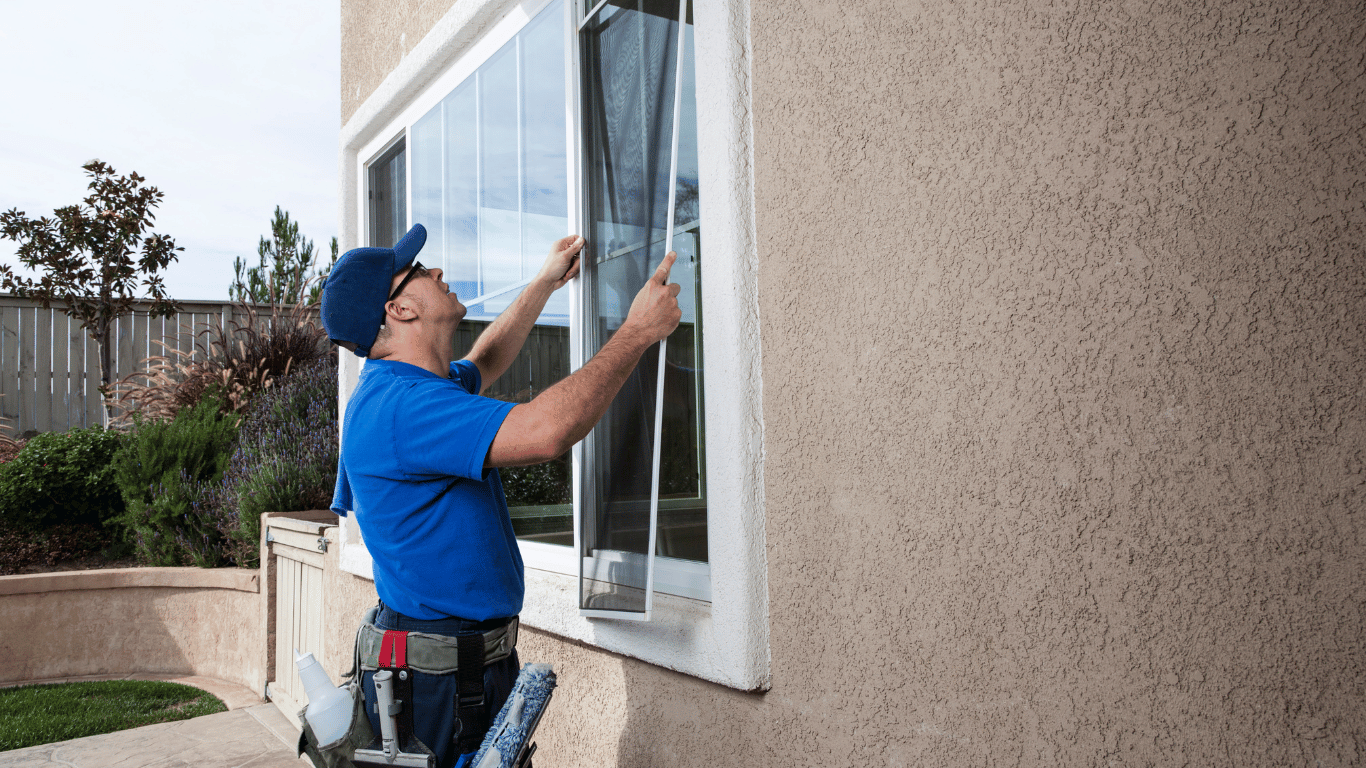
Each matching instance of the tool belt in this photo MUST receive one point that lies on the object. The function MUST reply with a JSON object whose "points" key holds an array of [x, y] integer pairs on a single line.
{"points": [[433, 654], [377, 649]]}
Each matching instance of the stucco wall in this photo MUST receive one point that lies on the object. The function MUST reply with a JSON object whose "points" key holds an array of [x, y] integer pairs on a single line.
{"points": [[1076, 446], [188, 621], [375, 36], [346, 598], [1063, 320]]}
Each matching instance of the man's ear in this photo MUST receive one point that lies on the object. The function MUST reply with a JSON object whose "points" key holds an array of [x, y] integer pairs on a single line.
{"points": [[401, 310]]}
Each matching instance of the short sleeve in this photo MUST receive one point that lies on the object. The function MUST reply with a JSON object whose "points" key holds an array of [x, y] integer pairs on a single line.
{"points": [[442, 429], [467, 375]]}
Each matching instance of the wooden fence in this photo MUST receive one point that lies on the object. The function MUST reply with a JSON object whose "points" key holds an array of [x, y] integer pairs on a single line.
{"points": [[50, 367], [542, 361]]}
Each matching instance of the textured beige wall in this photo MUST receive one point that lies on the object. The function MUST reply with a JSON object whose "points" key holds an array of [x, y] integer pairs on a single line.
{"points": [[1063, 320], [1064, 330], [375, 36], [122, 621], [346, 598]]}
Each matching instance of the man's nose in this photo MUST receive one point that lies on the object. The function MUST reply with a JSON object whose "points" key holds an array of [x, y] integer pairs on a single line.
{"points": [[440, 276]]}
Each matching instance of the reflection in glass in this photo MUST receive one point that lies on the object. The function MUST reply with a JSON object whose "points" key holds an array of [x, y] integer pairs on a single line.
{"points": [[506, 196], [426, 139], [462, 190], [500, 236], [682, 523], [686, 209], [544, 184]]}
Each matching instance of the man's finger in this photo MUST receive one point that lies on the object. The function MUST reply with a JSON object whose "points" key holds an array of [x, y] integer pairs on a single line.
{"points": [[662, 274]]}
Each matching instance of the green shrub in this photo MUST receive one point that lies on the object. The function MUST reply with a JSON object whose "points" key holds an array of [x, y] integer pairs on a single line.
{"points": [[164, 471], [61, 478]]}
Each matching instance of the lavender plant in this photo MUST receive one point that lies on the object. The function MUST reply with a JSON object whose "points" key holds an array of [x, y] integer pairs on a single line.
{"points": [[285, 460]]}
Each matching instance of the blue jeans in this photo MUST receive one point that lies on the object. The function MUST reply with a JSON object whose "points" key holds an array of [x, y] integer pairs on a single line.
{"points": [[434, 696]]}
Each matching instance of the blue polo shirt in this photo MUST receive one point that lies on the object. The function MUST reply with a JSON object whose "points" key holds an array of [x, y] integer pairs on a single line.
{"points": [[433, 518]]}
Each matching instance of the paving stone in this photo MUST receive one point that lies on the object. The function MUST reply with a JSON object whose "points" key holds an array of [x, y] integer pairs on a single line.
{"points": [[253, 737]]}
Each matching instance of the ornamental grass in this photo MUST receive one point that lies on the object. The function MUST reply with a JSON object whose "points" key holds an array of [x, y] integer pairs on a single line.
{"points": [[242, 360]]}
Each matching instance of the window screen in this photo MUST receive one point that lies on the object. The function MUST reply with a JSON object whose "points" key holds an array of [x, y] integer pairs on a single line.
{"points": [[644, 485]]}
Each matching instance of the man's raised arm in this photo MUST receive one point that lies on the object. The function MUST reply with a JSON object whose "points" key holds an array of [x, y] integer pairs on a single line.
{"points": [[551, 423], [498, 345]]}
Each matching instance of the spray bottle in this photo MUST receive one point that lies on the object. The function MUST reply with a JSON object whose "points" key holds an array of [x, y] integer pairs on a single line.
{"points": [[329, 707]]}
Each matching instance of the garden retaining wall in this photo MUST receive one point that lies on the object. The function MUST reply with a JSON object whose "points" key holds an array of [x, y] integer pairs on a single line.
{"points": [[189, 621]]}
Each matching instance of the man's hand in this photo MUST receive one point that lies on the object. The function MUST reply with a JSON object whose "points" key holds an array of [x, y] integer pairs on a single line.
{"points": [[562, 265], [498, 345], [655, 312], [557, 418]]}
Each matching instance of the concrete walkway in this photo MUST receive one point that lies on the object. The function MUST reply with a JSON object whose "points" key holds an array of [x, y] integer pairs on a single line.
{"points": [[251, 734]]}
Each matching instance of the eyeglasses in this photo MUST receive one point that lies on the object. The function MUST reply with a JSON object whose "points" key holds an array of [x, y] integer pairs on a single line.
{"points": [[417, 271]]}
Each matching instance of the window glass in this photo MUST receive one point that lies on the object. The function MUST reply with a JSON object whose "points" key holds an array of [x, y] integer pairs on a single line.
{"points": [[682, 473], [461, 185], [545, 183], [500, 168], [500, 236], [425, 136], [388, 198]]}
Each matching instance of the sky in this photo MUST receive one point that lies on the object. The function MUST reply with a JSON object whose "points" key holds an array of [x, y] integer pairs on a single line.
{"points": [[230, 109]]}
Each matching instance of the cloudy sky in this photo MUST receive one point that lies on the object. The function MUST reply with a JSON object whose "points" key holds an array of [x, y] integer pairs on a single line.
{"points": [[228, 108]]}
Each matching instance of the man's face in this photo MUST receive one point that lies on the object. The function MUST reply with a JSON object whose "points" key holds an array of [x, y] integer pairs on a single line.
{"points": [[427, 290]]}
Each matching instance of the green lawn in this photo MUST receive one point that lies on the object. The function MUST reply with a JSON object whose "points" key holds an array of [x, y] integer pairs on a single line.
{"points": [[41, 714]]}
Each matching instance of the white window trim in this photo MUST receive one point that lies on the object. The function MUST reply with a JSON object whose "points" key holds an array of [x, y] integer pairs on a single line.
{"points": [[724, 640]]}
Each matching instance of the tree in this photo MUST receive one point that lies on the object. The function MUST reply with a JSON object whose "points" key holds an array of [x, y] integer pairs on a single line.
{"points": [[91, 256], [285, 269]]}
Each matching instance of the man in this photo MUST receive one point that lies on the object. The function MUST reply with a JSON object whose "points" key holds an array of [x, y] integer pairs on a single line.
{"points": [[420, 451]]}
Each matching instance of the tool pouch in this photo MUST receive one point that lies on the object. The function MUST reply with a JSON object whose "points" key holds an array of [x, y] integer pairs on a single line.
{"points": [[339, 753]]}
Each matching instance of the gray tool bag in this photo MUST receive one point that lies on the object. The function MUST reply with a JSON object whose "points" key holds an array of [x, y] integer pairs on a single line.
{"points": [[391, 655]]}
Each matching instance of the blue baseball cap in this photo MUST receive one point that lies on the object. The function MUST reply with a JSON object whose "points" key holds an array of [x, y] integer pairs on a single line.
{"points": [[357, 289]]}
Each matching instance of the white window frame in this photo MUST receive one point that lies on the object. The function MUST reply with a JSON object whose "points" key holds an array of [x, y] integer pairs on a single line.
{"points": [[724, 638]]}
